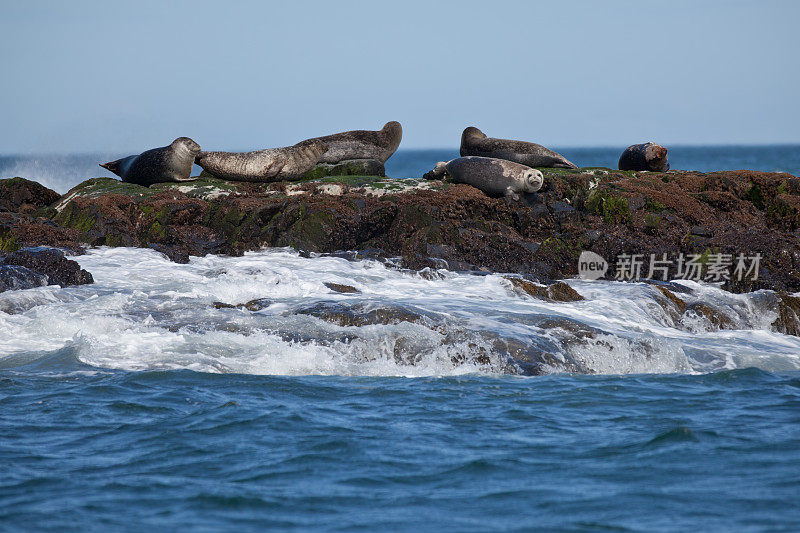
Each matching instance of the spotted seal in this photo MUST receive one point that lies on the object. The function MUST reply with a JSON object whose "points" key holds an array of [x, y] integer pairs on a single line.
{"points": [[361, 144], [273, 164], [647, 156], [495, 177], [168, 163], [475, 143]]}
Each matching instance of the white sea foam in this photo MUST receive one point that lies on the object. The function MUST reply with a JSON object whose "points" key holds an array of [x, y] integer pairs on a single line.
{"points": [[145, 312]]}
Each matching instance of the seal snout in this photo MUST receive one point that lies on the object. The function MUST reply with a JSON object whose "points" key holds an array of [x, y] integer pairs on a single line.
{"points": [[533, 181]]}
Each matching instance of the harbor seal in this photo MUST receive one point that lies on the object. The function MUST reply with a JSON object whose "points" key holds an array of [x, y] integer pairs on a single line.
{"points": [[159, 165], [272, 164], [475, 142], [361, 144], [647, 156], [495, 177]]}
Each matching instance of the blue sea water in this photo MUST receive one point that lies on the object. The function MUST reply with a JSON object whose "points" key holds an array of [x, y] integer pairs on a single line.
{"points": [[194, 451], [135, 403]]}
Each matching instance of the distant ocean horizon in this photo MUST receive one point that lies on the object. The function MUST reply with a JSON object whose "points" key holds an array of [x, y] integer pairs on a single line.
{"points": [[61, 172]]}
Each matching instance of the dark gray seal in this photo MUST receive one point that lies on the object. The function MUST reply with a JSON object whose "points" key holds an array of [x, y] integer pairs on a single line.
{"points": [[168, 163], [272, 164], [362, 144], [495, 177], [475, 142], [647, 156]]}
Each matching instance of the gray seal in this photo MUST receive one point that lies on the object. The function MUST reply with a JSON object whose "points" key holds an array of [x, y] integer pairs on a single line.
{"points": [[272, 164], [362, 144], [495, 177], [159, 165], [475, 142], [647, 156]]}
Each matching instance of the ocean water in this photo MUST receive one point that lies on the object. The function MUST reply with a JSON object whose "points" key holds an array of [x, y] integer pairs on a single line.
{"points": [[140, 402]]}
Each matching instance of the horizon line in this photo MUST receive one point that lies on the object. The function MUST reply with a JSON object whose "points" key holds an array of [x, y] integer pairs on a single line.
{"points": [[450, 149]]}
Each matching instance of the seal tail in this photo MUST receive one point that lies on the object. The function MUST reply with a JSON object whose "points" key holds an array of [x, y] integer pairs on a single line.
{"points": [[438, 171]]}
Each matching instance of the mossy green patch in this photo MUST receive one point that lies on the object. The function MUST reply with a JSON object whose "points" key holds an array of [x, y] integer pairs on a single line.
{"points": [[311, 231], [76, 218], [654, 206], [8, 243], [96, 187], [755, 196], [652, 221], [613, 209]]}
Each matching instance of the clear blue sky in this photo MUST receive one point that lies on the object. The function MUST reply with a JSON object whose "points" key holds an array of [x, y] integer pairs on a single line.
{"points": [[99, 76]]}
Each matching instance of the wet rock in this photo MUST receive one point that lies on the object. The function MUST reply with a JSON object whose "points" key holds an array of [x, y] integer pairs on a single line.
{"points": [[344, 289], [172, 252], [675, 288], [258, 304], [567, 334], [561, 292], [13, 277], [716, 317], [253, 305], [678, 304], [788, 321], [556, 292], [52, 263], [359, 314]]}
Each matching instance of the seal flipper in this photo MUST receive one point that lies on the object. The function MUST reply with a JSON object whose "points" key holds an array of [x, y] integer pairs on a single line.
{"points": [[511, 195], [438, 172]]}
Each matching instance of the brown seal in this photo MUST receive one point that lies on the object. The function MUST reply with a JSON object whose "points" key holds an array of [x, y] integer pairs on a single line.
{"points": [[361, 144], [272, 164], [647, 156], [495, 177], [475, 142]]}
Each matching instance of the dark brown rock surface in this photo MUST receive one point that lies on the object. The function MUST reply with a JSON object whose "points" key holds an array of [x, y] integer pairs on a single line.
{"points": [[438, 224]]}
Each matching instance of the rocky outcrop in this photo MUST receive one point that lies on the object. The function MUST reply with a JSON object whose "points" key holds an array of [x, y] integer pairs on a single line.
{"points": [[13, 277], [555, 292], [431, 223], [19, 195], [34, 267]]}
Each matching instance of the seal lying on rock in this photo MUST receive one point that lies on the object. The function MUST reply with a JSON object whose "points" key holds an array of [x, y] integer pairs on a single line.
{"points": [[361, 144], [272, 164], [495, 177], [168, 163], [475, 142], [647, 156]]}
